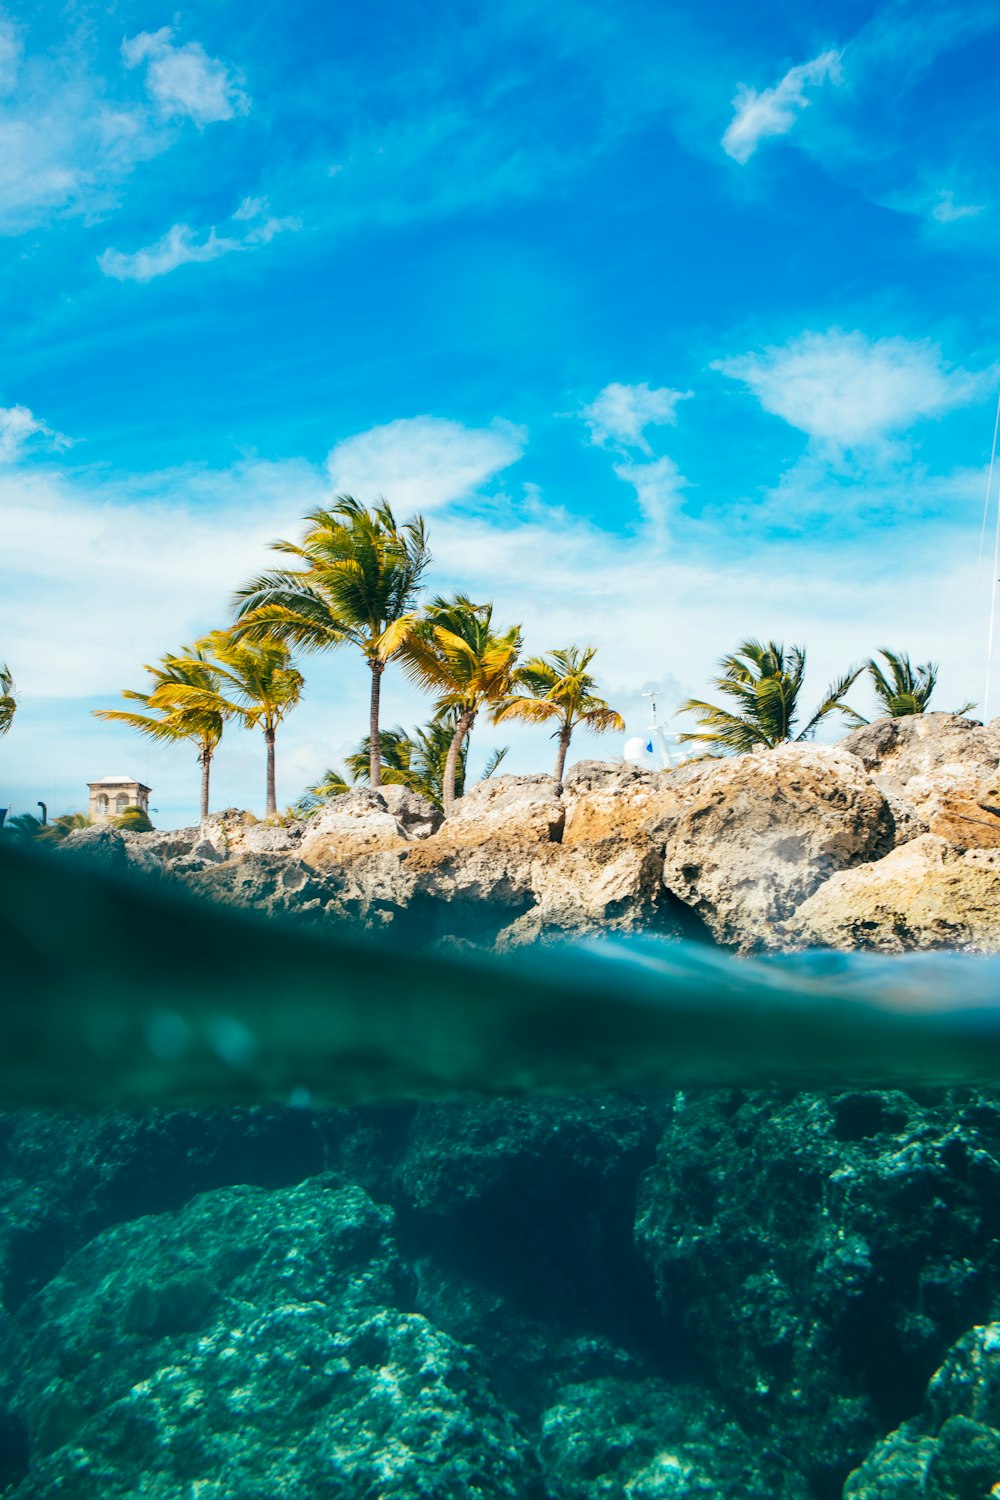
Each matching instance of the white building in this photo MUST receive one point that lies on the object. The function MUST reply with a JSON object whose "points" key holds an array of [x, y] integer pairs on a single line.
{"points": [[110, 796]]}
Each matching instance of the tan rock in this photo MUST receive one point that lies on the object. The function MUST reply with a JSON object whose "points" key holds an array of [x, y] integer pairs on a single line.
{"points": [[926, 894], [748, 839], [358, 822], [943, 768]]}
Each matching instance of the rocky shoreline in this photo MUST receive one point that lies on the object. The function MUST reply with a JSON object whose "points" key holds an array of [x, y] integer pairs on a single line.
{"points": [[706, 1294], [888, 841]]}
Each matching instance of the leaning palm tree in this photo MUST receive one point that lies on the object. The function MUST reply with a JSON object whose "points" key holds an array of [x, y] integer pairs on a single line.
{"points": [[765, 681], [457, 655], [8, 702], [558, 687], [257, 686], [170, 722], [358, 581], [900, 688]]}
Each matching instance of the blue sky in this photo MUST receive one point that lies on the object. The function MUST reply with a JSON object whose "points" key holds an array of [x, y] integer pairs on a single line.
{"points": [[680, 325]]}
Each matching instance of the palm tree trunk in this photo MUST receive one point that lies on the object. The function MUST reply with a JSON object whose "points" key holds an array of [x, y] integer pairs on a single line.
{"points": [[206, 766], [465, 723], [374, 737], [272, 804], [565, 734]]}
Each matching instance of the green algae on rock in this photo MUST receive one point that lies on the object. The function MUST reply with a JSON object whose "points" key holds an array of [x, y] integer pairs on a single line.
{"points": [[254, 1344]]}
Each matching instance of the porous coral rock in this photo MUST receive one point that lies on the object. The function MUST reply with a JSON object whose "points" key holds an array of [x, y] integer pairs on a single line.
{"points": [[926, 894]]}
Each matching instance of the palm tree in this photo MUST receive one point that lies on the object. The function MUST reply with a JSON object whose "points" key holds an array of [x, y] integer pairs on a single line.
{"points": [[257, 685], [331, 784], [28, 826], [8, 702], [170, 721], [456, 654], [358, 581], [558, 686], [395, 756], [418, 761], [766, 683], [905, 690]]}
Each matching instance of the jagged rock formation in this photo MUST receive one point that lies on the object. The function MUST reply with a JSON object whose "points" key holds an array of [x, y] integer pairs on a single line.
{"points": [[951, 1451], [890, 839]]}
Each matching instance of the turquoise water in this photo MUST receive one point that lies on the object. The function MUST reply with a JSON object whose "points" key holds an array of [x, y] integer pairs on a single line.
{"points": [[124, 992], [618, 1220]]}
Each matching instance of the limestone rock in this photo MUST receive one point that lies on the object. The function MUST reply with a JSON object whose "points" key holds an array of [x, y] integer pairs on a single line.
{"points": [[357, 822], [418, 817], [822, 1251], [946, 769], [952, 1449], [926, 894], [254, 1343], [747, 840]]}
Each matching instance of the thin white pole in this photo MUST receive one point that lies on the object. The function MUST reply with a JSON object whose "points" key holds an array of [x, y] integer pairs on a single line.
{"points": [[989, 482], [993, 594]]}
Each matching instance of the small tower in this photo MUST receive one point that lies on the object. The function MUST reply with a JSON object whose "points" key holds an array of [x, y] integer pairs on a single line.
{"points": [[110, 797]]}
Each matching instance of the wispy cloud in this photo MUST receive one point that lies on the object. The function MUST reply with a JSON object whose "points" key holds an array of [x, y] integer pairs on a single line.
{"points": [[71, 134], [657, 486], [844, 389], [774, 111], [423, 463], [619, 415], [180, 246], [183, 81], [18, 425], [947, 211]]}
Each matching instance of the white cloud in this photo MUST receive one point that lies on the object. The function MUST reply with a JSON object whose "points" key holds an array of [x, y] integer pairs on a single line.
{"points": [[129, 572], [184, 81], [180, 245], [947, 211], [620, 414], [422, 463], [124, 574], [845, 389], [657, 486], [11, 53], [17, 426], [775, 111]]}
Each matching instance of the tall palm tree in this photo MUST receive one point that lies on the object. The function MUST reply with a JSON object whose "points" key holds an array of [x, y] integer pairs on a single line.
{"points": [[8, 702], [765, 681], [257, 685], [457, 655], [169, 721], [559, 687], [901, 688], [358, 581]]}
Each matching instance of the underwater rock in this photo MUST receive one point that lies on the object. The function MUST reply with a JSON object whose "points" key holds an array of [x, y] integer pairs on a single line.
{"points": [[66, 1177], [822, 1251], [749, 839], [951, 1451], [253, 1344], [646, 1439], [926, 894]]}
